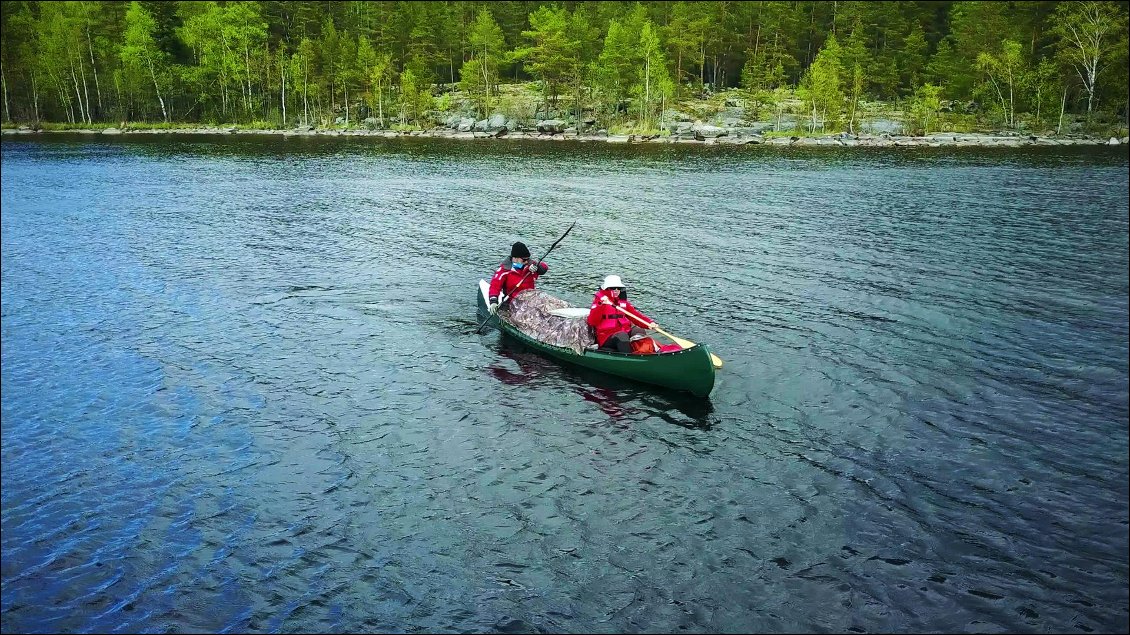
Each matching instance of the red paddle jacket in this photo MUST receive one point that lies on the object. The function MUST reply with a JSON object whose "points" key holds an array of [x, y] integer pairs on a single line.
{"points": [[609, 319], [506, 279]]}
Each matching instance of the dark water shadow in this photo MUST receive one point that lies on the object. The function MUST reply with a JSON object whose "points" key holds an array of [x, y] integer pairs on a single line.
{"points": [[617, 397]]}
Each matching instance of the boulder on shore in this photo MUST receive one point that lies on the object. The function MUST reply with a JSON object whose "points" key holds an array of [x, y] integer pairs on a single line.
{"points": [[551, 126]]}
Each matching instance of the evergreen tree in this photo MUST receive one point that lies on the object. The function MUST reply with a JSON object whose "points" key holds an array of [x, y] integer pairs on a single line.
{"points": [[548, 57]]}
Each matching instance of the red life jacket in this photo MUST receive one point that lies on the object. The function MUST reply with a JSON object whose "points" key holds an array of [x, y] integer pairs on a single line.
{"points": [[508, 281], [609, 319]]}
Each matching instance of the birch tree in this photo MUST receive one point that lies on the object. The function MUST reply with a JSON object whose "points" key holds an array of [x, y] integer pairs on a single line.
{"points": [[654, 86], [1003, 74], [822, 84], [1089, 33], [380, 75], [140, 49], [479, 76]]}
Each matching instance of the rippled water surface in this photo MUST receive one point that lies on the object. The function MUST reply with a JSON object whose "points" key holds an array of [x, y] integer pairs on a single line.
{"points": [[242, 390]]}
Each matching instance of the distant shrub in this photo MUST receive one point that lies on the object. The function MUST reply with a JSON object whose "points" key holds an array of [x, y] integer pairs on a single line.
{"points": [[47, 125]]}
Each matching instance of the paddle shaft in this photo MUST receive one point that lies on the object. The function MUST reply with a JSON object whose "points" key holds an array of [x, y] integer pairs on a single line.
{"points": [[717, 361], [678, 340]]}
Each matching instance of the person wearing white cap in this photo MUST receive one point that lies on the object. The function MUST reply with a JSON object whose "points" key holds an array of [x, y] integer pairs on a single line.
{"points": [[613, 317]]}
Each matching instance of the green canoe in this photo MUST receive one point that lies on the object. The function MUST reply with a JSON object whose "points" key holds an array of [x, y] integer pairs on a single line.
{"points": [[687, 370]]}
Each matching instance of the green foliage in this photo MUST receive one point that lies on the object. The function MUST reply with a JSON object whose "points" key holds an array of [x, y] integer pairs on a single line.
{"points": [[822, 86], [924, 108], [518, 105], [1090, 34], [654, 86], [48, 125], [415, 99], [285, 62], [140, 54], [1002, 74], [479, 75], [549, 56], [686, 37]]}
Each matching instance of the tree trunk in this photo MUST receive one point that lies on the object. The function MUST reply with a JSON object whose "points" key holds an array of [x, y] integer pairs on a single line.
{"points": [[247, 64], [1062, 107], [1039, 102], [4, 82], [78, 94], [702, 66], [645, 111], [224, 77], [94, 67], [486, 86], [1011, 103], [679, 72], [153, 75], [85, 91], [577, 87], [346, 85], [282, 78], [62, 90], [1091, 72], [1000, 96]]}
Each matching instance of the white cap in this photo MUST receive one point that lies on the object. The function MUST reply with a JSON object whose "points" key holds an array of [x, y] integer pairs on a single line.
{"points": [[612, 281]]}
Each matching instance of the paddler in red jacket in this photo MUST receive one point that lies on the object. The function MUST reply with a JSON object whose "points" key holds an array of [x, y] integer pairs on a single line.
{"points": [[514, 275], [608, 317]]}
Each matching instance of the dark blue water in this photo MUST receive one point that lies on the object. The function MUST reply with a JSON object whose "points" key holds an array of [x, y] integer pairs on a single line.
{"points": [[242, 392]]}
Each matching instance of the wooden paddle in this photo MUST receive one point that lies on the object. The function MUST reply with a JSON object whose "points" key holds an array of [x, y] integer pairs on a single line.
{"points": [[717, 361]]}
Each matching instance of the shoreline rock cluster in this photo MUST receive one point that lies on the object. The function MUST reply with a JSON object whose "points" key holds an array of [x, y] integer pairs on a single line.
{"points": [[684, 133]]}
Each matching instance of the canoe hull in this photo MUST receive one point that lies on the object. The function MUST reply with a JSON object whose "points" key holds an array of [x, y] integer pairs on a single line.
{"points": [[689, 370]]}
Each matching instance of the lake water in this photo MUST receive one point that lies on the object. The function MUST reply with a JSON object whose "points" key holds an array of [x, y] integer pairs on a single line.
{"points": [[242, 389]]}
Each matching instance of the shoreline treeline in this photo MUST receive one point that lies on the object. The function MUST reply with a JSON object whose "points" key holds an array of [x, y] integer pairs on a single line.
{"points": [[1010, 65]]}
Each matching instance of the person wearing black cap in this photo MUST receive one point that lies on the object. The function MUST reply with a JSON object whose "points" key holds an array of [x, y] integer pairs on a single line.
{"points": [[514, 275]]}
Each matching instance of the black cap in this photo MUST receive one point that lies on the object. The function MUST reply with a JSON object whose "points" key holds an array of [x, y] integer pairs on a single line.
{"points": [[519, 250]]}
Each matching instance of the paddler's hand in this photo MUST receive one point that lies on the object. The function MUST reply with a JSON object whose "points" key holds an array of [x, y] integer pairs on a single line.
{"points": [[492, 308], [605, 301], [653, 326]]}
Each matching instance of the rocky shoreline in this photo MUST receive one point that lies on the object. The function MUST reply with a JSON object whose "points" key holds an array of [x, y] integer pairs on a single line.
{"points": [[696, 134]]}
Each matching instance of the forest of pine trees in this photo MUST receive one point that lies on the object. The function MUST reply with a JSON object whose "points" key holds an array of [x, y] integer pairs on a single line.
{"points": [[281, 64]]}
